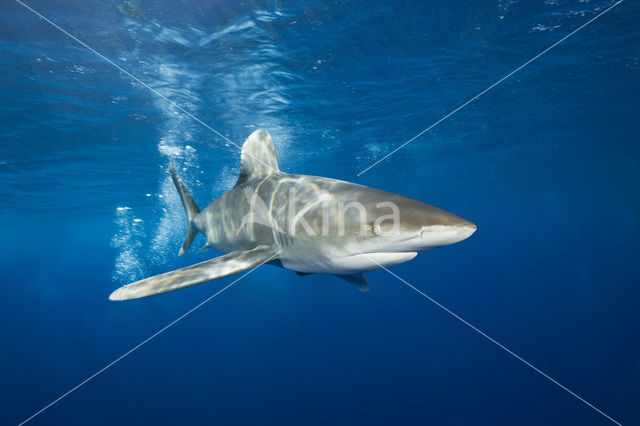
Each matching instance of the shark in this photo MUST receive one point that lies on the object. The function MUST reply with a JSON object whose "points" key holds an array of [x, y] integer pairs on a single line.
{"points": [[307, 224]]}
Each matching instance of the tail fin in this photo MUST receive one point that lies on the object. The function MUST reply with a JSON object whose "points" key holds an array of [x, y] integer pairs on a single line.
{"points": [[190, 207]]}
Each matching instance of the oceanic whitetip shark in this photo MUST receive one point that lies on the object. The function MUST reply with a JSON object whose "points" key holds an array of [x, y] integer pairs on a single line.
{"points": [[309, 224]]}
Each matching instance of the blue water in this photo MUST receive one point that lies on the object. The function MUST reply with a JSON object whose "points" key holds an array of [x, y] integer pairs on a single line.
{"points": [[547, 164]]}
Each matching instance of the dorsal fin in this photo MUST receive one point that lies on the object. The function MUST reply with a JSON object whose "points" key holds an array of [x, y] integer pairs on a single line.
{"points": [[258, 158]]}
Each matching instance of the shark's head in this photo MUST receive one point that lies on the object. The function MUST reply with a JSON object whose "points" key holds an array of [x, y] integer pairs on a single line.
{"points": [[423, 227], [400, 224]]}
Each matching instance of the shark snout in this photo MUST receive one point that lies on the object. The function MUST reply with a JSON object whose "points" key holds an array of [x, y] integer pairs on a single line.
{"points": [[444, 235], [467, 230]]}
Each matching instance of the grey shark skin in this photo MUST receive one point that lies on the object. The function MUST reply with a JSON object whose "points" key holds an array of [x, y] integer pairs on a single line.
{"points": [[308, 224]]}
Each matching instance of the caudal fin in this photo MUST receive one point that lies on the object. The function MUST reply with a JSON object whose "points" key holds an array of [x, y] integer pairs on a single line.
{"points": [[189, 206]]}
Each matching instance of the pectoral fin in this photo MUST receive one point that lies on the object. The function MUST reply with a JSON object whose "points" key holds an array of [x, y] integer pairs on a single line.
{"points": [[359, 280], [219, 267]]}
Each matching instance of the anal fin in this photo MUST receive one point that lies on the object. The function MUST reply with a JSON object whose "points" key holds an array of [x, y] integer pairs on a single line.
{"points": [[359, 280]]}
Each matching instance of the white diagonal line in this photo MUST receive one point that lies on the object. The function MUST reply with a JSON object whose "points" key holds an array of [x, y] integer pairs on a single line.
{"points": [[500, 345], [136, 347], [490, 87], [137, 80]]}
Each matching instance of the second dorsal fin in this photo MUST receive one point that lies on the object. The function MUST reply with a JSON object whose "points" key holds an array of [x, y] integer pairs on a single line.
{"points": [[258, 158]]}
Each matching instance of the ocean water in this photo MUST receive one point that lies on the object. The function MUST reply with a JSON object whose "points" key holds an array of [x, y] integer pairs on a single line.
{"points": [[547, 164]]}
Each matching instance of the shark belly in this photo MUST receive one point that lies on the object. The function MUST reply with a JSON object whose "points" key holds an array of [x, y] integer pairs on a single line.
{"points": [[341, 264]]}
